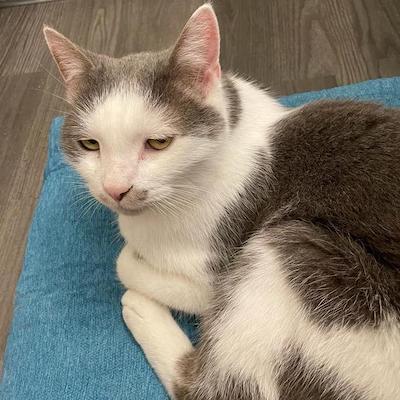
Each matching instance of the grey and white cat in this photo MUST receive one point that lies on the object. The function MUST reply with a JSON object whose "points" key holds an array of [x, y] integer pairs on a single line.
{"points": [[279, 228]]}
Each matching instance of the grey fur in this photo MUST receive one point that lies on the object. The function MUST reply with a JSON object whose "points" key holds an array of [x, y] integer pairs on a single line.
{"points": [[297, 380], [232, 96], [328, 201], [336, 168], [194, 370], [335, 174], [340, 282]]}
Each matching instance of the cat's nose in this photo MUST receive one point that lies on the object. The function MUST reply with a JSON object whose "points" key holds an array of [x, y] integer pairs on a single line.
{"points": [[117, 192]]}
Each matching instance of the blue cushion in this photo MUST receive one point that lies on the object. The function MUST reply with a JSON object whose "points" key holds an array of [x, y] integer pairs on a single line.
{"points": [[68, 340]]}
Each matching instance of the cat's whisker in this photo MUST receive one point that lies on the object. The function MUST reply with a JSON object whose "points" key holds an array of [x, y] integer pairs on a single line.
{"points": [[172, 208], [50, 74], [190, 187], [62, 112], [87, 207], [181, 201], [80, 200], [156, 207], [161, 208], [77, 189], [51, 94], [117, 237], [115, 222], [96, 209]]}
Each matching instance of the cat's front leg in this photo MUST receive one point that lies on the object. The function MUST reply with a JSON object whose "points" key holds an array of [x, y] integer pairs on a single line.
{"points": [[162, 340], [172, 290]]}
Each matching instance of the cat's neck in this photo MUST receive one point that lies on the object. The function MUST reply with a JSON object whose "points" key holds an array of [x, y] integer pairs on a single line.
{"points": [[251, 115], [252, 118]]}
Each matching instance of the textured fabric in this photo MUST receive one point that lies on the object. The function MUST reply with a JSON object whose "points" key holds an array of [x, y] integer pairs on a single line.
{"points": [[68, 340]]}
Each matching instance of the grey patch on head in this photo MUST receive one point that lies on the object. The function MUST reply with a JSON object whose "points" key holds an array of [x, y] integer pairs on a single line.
{"points": [[197, 380], [232, 96], [169, 86], [157, 77], [297, 380]]}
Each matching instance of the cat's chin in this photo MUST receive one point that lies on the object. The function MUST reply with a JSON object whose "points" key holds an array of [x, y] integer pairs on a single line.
{"points": [[127, 211], [120, 209]]}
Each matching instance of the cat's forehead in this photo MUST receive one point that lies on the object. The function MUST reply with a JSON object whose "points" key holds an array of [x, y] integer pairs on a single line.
{"points": [[142, 87], [125, 112], [136, 72]]}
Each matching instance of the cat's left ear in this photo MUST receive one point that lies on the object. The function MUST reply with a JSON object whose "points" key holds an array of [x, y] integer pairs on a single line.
{"points": [[196, 53], [72, 61]]}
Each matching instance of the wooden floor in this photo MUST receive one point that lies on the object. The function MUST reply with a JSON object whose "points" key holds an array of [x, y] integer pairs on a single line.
{"points": [[291, 46]]}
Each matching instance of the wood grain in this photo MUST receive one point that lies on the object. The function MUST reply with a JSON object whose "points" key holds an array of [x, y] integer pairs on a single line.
{"points": [[288, 45]]}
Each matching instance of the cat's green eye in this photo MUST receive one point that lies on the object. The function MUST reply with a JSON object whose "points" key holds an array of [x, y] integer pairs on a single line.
{"points": [[159, 144], [90, 144]]}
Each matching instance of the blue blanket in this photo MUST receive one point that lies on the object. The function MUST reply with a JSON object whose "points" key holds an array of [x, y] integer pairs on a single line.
{"points": [[68, 340]]}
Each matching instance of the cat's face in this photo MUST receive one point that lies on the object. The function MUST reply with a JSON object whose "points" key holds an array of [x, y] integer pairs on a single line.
{"points": [[144, 126]]}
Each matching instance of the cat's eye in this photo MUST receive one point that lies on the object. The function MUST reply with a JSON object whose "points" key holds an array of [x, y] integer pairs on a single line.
{"points": [[159, 144], [90, 144]]}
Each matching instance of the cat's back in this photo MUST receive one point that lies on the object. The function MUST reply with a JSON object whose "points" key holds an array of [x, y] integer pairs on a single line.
{"points": [[345, 140], [337, 163]]}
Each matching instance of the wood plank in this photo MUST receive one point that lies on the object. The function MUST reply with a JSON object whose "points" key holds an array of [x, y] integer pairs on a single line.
{"points": [[24, 120]]}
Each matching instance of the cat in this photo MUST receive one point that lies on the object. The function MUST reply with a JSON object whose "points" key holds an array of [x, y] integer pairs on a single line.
{"points": [[279, 228]]}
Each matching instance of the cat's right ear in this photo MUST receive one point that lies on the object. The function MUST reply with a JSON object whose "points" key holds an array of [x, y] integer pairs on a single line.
{"points": [[71, 60]]}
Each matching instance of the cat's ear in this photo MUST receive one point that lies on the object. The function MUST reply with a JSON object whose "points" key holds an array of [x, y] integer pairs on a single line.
{"points": [[196, 52], [71, 60]]}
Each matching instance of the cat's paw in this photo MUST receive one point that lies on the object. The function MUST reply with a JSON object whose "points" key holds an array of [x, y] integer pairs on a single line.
{"points": [[142, 314]]}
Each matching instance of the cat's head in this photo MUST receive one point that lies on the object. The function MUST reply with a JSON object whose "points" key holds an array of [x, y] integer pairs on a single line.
{"points": [[143, 126]]}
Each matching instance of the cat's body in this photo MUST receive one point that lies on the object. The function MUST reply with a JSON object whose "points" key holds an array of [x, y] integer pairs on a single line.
{"points": [[319, 280], [280, 229]]}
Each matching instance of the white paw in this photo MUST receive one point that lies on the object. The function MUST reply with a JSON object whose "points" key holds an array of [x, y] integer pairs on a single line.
{"points": [[141, 313], [161, 339]]}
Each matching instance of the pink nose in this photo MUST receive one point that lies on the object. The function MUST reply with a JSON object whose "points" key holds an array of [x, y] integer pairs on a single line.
{"points": [[117, 192]]}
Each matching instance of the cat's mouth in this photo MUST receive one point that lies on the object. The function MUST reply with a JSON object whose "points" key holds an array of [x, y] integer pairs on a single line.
{"points": [[130, 206], [121, 207]]}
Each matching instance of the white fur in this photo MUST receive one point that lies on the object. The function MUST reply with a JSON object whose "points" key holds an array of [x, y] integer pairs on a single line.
{"points": [[158, 334], [175, 291], [168, 243], [366, 358]]}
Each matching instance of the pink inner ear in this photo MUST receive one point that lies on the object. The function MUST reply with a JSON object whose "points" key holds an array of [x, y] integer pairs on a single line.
{"points": [[210, 76], [212, 69], [198, 47], [210, 31]]}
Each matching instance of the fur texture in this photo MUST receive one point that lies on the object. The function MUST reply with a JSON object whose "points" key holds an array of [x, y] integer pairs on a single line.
{"points": [[279, 228]]}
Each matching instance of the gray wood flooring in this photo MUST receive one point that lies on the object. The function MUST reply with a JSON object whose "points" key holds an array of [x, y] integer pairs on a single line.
{"points": [[289, 45]]}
